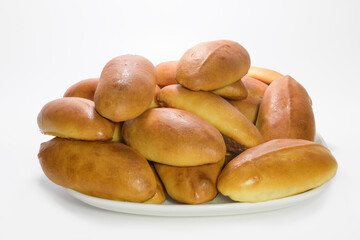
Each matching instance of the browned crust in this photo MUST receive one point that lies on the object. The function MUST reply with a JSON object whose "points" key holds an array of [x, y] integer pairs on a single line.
{"points": [[154, 103], [276, 169], [76, 118], [165, 73], [101, 169], [159, 196], [126, 88], [174, 137], [215, 110], [212, 65], [234, 91], [249, 107], [255, 87], [83, 89], [263, 74], [286, 111], [192, 185]]}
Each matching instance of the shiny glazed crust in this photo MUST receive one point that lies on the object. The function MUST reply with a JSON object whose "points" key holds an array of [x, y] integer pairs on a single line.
{"points": [[165, 73], [276, 169], [154, 102], [159, 196], [105, 170], [75, 118], [83, 89], [254, 87], [212, 65], [215, 110], [234, 91], [286, 111], [263, 74], [250, 106], [174, 137], [192, 185], [126, 88]]}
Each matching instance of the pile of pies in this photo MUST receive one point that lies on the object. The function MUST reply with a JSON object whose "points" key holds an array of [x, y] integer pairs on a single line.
{"points": [[187, 129]]}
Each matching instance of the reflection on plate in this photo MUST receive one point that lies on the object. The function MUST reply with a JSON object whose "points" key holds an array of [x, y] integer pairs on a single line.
{"points": [[221, 205]]}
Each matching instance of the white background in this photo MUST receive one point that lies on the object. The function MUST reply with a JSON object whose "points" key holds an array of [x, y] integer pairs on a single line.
{"points": [[48, 45]]}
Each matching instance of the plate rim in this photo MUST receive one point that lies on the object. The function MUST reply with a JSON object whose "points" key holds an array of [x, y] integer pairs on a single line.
{"points": [[181, 210], [205, 209]]}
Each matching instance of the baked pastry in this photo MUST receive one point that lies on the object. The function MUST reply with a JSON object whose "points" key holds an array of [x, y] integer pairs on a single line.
{"points": [[165, 73], [250, 106], [174, 137], [234, 91], [255, 88], [212, 65], [105, 170], [239, 133], [154, 102], [126, 88], [75, 118], [192, 185], [83, 89], [276, 169], [159, 196], [166, 76], [263, 74], [286, 111], [201, 120]]}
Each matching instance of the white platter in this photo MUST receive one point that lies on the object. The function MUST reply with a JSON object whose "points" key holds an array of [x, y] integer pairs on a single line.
{"points": [[221, 205]]}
